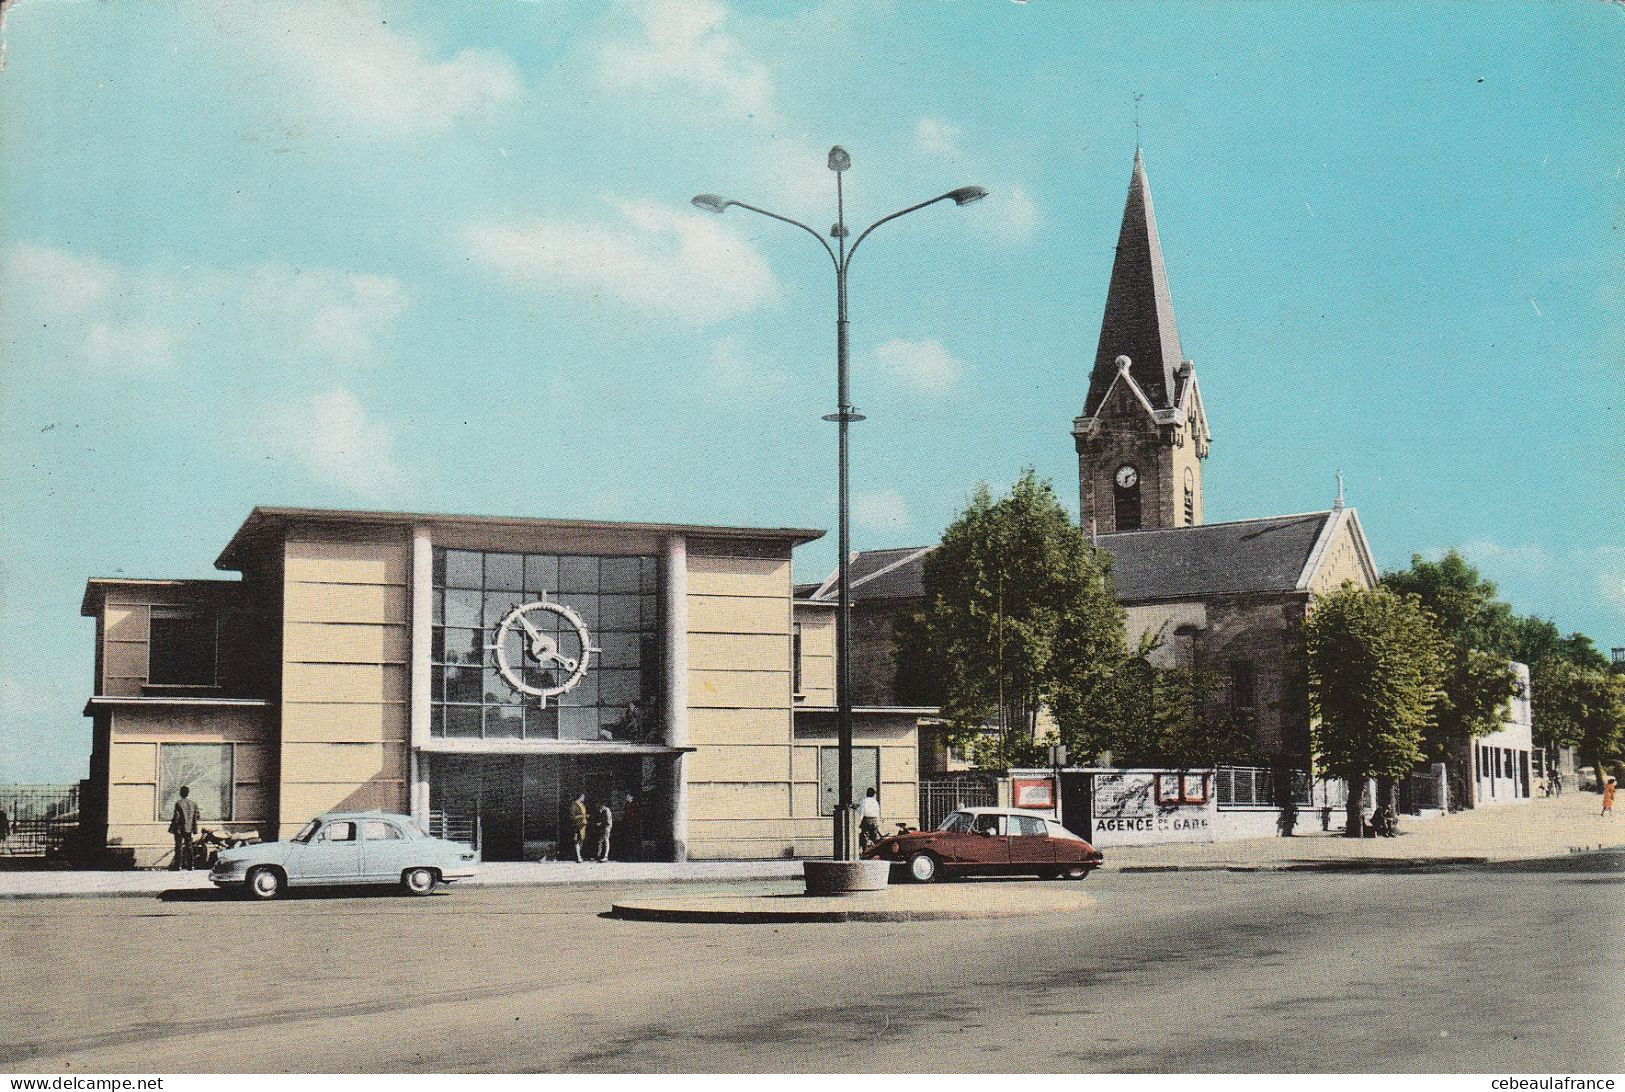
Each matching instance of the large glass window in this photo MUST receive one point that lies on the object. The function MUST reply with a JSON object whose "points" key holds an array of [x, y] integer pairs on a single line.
{"points": [[865, 775], [616, 598], [181, 647], [205, 770]]}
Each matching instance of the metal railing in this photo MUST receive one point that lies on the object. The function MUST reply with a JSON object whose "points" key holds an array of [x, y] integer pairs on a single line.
{"points": [[938, 798], [37, 818], [1254, 786], [455, 827]]}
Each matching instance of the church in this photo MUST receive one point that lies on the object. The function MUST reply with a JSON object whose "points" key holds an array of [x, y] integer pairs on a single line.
{"points": [[1226, 598]]}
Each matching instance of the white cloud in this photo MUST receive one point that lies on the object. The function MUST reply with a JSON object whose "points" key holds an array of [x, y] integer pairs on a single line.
{"points": [[54, 281], [346, 59], [1012, 213], [149, 319], [883, 511], [933, 136], [1611, 574], [662, 260], [133, 347], [925, 365], [742, 373], [332, 436], [683, 45]]}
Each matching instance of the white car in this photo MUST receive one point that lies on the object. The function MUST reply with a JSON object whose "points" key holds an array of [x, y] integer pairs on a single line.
{"points": [[347, 847]]}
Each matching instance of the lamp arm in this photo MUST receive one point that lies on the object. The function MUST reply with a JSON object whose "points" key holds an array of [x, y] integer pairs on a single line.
{"points": [[888, 219], [794, 223]]}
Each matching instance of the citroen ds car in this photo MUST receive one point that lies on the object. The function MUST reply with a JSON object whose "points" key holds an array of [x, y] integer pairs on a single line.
{"points": [[997, 841]]}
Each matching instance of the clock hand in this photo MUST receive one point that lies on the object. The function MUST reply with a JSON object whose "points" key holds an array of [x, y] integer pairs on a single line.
{"points": [[535, 634]]}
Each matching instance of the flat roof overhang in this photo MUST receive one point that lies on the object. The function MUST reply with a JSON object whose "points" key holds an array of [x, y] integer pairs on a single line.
{"points": [[264, 522], [109, 701], [441, 745], [97, 587]]}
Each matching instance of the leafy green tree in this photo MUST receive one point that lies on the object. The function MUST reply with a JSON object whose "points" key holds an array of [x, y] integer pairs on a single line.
{"points": [[1376, 666], [1148, 715], [1478, 629], [1583, 708], [1017, 605]]}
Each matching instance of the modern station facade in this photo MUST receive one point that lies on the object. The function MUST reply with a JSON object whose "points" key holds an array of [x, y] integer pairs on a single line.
{"points": [[477, 673]]}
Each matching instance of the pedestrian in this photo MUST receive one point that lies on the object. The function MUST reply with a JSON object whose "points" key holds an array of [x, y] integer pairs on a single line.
{"points": [[5, 825], [868, 820], [183, 825], [578, 823], [605, 823], [1557, 782], [632, 829], [1608, 797]]}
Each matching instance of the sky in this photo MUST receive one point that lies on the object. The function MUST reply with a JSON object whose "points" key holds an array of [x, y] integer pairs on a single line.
{"points": [[441, 257]]}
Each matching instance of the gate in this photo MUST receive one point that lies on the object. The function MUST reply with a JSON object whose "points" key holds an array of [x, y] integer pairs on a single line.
{"points": [[38, 818], [938, 798]]}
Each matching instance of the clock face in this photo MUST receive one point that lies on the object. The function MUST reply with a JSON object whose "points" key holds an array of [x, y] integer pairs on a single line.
{"points": [[1127, 476], [542, 649]]}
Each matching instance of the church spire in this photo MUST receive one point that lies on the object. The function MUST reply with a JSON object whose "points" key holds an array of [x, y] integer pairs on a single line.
{"points": [[1139, 319]]}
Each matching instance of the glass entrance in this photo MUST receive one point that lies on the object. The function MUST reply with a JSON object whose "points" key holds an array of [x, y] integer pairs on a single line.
{"points": [[517, 807]]}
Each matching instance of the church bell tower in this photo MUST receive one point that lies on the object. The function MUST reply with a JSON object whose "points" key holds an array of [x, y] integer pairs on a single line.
{"points": [[1143, 434]]}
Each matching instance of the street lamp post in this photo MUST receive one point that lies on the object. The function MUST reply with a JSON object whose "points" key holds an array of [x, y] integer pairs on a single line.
{"points": [[841, 255]]}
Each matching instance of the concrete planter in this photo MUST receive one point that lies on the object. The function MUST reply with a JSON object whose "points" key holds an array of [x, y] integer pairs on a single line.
{"points": [[846, 877]]}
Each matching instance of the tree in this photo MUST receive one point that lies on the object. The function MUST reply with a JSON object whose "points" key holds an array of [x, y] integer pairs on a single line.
{"points": [[1554, 662], [1148, 715], [1376, 666], [1583, 708], [1017, 605], [1478, 629]]}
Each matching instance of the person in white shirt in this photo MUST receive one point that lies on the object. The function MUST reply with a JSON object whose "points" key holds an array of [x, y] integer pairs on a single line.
{"points": [[868, 820]]}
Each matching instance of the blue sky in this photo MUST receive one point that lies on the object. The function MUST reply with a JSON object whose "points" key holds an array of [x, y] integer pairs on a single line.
{"points": [[441, 257]]}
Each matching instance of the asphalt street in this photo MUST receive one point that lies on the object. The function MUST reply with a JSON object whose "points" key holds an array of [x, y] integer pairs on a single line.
{"points": [[1512, 968]]}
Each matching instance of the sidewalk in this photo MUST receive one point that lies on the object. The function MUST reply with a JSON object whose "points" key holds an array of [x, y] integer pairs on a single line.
{"points": [[1540, 828]]}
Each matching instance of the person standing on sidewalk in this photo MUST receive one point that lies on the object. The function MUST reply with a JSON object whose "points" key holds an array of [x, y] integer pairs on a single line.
{"points": [[578, 823], [1608, 797], [604, 822], [183, 825]]}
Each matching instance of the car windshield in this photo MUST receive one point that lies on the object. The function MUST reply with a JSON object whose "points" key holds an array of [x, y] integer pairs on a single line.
{"points": [[310, 829], [955, 820]]}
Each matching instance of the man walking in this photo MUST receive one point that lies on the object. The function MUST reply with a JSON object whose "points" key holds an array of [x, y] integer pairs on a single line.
{"points": [[868, 820], [183, 825]]}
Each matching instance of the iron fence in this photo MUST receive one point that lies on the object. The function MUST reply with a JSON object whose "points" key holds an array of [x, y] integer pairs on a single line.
{"points": [[37, 818], [1254, 786], [938, 798], [455, 828]]}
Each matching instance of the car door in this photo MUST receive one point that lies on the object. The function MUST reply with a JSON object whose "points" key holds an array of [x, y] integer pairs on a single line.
{"points": [[986, 848], [385, 851], [1030, 845], [333, 855]]}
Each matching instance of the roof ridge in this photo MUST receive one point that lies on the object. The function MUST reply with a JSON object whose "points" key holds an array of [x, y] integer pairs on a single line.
{"points": [[1220, 523]]}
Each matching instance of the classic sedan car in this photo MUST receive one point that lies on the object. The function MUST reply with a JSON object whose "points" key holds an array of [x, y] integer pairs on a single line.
{"points": [[990, 840], [362, 847]]}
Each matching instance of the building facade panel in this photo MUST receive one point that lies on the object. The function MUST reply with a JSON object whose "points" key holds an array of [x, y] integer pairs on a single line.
{"points": [[384, 603], [767, 578], [708, 726]]}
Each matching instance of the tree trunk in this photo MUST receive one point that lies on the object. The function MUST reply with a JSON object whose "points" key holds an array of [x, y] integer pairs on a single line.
{"points": [[1354, 827]]}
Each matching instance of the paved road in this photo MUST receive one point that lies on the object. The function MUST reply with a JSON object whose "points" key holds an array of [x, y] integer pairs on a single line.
{"points": [[1495, 968]]}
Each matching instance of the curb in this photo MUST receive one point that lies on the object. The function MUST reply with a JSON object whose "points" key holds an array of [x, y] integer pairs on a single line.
{"points": [[654, 911], [1373, 864], [193, 892]]}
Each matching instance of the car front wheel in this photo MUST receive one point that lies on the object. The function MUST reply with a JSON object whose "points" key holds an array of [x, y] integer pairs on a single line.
{"points": [[265, 883], [923, 868], [419, 881], [1077, 872]]}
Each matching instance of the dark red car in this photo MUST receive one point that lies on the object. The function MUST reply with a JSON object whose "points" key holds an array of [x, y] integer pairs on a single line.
{"points": [[990, 841]]}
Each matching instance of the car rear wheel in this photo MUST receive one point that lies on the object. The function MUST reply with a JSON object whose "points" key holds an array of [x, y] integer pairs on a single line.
{"points": [[265, 883], [419, 881], [923, 868], [1077, 872]]}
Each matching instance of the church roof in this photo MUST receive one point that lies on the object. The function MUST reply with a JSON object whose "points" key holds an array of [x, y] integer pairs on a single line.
{"points": [[1274, 554], [1139, 318], [1250, 555]]}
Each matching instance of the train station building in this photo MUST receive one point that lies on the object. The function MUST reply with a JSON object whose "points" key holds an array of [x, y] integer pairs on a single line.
{"points": [[477, 673]]}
